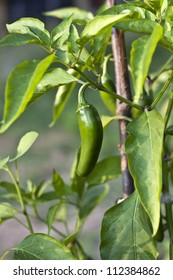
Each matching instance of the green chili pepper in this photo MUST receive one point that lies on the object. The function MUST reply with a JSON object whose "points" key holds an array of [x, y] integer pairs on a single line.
{"points": [[91, 132]]}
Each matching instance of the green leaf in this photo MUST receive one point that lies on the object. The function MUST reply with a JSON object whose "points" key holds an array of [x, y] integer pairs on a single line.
{"points": [[43, 36], [73, 47], [73, 235], [56, 212], [155, 4], [126, 232], [168, 29], [40, 189], [106, 120], [25, 143], [99, 25], [3, 162], [143, 147], [63, 94], [92, 198], [27, 30], [169, 130], [141, 26], [61, 215], [18, 40], [97, 50], [20, 88], [61, 32], [79, 16], [47, 196], [51, 215], [54, 78], [59, 186], [140, 59], [7, 211], [137, 7], [104, 171], [40, 246], [21, 25], [9, 187]]}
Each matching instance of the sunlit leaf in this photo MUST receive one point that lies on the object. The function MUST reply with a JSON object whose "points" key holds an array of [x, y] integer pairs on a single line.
{"points": [[43, 36], [25, 143], [61, 32], [73, 47], [20, 88], [106, 120], [99, 25], [135, 6], [140, 59], [54, 78], [79, 16], [18, 40], [141, 26], [3, 162], [155, 4], [21, 25]]}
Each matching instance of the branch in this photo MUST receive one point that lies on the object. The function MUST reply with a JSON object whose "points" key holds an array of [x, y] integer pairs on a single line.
{"points": [[123, 89]]}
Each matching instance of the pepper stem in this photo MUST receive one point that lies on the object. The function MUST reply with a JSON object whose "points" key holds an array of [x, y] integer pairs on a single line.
{"points": [[81, 99]]}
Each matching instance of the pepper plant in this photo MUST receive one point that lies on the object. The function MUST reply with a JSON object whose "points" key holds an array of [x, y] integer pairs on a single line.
{"points": [[81, 50]]}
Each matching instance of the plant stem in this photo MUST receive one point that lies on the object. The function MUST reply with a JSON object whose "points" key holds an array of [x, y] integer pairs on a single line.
{"points": [[18, 190], [123, 92], [169, 109], [17, 172], [168, 204], [168, 207], [161, 93], [114, 94], [6, 253]]}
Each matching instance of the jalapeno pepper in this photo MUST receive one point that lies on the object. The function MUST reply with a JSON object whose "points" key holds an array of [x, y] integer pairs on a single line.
{"points": [[91, 132]]}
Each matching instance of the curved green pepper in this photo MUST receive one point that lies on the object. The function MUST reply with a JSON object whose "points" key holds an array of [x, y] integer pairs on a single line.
{"points": [[91, 132]]}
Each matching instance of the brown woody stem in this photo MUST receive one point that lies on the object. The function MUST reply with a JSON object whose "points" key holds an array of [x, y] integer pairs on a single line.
{"points": [[123, 89]]}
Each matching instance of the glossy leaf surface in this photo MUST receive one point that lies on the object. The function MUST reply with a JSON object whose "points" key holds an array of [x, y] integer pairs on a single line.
{"points": [[141, 56], [20, 88], [99, 25], [25, 143], [144, 147]]}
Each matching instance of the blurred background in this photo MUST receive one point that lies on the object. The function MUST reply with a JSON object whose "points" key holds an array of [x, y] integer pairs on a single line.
{"points": [[55, 148]]}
